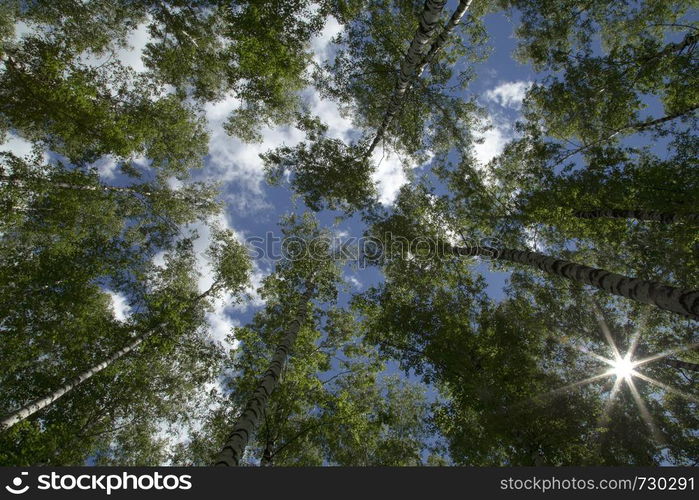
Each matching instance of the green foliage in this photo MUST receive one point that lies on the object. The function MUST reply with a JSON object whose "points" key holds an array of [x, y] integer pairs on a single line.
{"points": [[508, 368], [364, 72], [84, 113], [231, 262], [327, 173], [553, 32], [97, 26], [332, 405], [256, 51]]}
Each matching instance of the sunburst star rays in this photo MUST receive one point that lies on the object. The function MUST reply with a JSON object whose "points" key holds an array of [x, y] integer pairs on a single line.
{"points": [[624, 368]]}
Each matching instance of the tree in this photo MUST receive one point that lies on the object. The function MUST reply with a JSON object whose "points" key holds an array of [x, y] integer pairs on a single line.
{"points": [[589, 113], [98, 26], [248, 421], [208, 49], [644, 215], [65, 246], [511, 372], [307, 273], [374, 75], [257, 52], [553, 33], [332, 406], [363, 78], [327, 173], [86, 112], [593, 202], [683, 365], [232, 274], [412, 64], [417, 58], [32, 177], [412, 222], [684, 302]]}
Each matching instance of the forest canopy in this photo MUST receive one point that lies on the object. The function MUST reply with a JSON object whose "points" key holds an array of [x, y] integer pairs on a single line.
{"points": [[349, 232]]}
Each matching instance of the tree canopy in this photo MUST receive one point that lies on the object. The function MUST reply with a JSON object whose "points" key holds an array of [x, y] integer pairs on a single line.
{"points": [[469, 244]]}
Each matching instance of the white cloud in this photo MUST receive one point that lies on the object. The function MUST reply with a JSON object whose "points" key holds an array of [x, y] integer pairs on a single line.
{"points": [[18, 146], [352, 280], [106, 167], [120, 306], [137, 41], [22, 29], [531, 239], [339, 126], [496, 130], [220, 326], [389, 175], [493, 141], [509, 94], [220, 319], [159, 259], [321, 44], [238, 164]]}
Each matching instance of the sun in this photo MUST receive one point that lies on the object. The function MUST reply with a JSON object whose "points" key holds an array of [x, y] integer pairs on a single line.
{"points": [[626, 368], [623, 367]]}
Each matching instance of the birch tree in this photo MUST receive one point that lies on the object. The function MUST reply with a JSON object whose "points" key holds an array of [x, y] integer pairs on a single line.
{"points": [[684, 302], [26, 181], [64, 245], [510, 371], [642, 215], [375, 74], [232, 274], [373, 77], [307, 273], [84, 112], [418, 211], [332, 406], [423, 48]]}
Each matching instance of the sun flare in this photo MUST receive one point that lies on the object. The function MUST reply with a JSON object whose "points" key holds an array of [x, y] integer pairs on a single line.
{"points": [[623, 367]]}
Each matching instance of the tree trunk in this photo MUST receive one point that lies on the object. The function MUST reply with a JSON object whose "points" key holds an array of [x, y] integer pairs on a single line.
{"points": [[267, 456], [409, 68], [444, 34], [664, 119], [646, 215], [687, 41], [249, 420], [41, 403], [685, 365], [436, 46], [669, 298]]}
